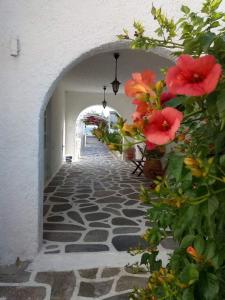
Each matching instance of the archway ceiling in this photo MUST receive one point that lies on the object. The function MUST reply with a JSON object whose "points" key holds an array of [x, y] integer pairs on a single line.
{"points": [[91, 74]]}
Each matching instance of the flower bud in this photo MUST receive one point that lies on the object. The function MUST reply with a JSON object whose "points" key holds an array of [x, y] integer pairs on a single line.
{"points": [[159, 86], [189, 161], [190, 250]]}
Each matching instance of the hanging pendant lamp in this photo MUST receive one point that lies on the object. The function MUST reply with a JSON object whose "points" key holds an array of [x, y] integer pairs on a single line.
{"points": [[104, 103], [115, 84]]}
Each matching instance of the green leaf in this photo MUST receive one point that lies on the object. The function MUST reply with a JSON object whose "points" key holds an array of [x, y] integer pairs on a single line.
{"points": [[211, 100], [220, 142], [205, 39], [210, 250], [215, 4], [209, 286], [186, 180], [175, 101], [175, 166], [215, 24], [213, 205], [220, 103], [185, 9], [222, 160], [190, 274], [188, 294], [199, 244], [187, 241]]}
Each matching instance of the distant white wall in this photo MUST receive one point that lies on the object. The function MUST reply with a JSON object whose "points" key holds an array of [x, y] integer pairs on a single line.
{"points": [[76, 102], [53, 144]]}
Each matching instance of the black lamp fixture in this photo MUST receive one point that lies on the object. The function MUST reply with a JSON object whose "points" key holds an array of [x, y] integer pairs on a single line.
{"points": [[104, 103], [115, 84]]}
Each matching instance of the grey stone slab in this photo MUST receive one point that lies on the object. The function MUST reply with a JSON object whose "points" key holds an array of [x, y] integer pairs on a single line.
{"points": [[88, 273], [169, 243], [118, 206], [96, 235], [45, 209], [49, 189], [62, 284], [125, 242], [125, 230], [129, 282], [80, 201], [119, 297], [126, 191], [112, 199], [112, 211], [130, 202], [55, 219], [22, 293], [133, 213], [62, 236], [56, 183], [80, 196], [83, 191], [89, 209], [58, 200], [95, 289], [66, 190], [63, 227], [99, 224], [85, 248], [135, 196], [61, 194], [100, 194], [75, 216], [120, 221], [61, 207], [85, 204], [51, 246], [110, 272], [15, 273], [52, 252], [96, 216]]}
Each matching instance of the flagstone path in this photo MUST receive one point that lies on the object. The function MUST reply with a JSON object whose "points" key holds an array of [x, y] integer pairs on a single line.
{"points": [[91, 213]]}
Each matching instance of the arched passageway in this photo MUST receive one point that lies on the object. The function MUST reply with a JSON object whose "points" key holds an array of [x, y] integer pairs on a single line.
{"points": [[91, 205], [83, 130]]}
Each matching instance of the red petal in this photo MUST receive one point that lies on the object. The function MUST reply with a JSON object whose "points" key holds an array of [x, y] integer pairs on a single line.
{"points": [[210, 82], [150, 146], [148, 77], [171, 114]]}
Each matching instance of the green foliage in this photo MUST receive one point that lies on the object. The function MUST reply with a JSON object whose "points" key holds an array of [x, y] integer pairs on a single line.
{"points": [[188, 202]]}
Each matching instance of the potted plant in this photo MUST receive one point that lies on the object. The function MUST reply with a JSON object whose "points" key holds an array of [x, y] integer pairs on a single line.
{"points": [[153, 165]]}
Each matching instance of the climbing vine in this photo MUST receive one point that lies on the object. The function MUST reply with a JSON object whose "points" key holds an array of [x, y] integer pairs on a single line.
{"points": [[187, 110]]}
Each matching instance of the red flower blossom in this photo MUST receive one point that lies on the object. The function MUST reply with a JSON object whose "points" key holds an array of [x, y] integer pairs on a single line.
{"points": [[141, 83], [193, 76], [166, 96], [162, 125], [150, 146], [142, 109]]}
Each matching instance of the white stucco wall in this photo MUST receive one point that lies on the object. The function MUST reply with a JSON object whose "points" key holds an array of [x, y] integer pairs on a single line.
{"points": [[78, 101], [53, 36], [55, 118]]}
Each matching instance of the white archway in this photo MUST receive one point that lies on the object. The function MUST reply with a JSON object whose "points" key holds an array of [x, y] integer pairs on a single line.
{"points": [[79, 135]]}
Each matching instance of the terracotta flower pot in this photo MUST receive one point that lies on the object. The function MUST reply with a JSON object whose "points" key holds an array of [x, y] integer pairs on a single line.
{"points": [[153, 168]]}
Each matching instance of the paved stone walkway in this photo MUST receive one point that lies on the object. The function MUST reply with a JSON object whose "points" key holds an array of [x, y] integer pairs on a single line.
{"points": [[92, 205], [92, 216]]}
